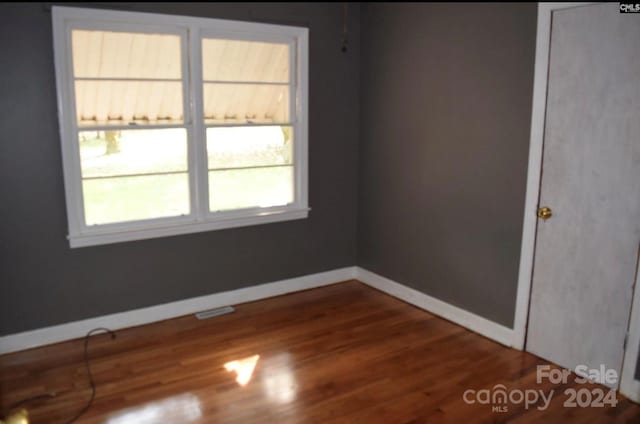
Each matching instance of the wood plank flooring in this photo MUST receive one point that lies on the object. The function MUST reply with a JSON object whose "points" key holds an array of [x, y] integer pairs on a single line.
{"points": [[344, 353]]}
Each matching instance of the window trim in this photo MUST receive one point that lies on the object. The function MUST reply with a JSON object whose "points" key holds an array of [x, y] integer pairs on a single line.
{"points": [[189, 28]]}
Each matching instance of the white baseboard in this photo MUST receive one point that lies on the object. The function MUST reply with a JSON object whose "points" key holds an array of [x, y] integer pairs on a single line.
{"points": [[473, 322], [76, 329]]}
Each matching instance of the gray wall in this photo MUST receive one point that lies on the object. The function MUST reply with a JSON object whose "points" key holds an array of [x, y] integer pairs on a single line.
{"points": [[43, 282], [446, 96], [446, 99]]}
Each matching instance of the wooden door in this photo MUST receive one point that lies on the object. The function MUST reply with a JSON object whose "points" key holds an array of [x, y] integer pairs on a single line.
{"points": [[586, 252]]}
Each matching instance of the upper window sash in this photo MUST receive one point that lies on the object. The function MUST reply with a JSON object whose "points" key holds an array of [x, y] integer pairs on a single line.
{"points": [[76, 81], [278, 85]]}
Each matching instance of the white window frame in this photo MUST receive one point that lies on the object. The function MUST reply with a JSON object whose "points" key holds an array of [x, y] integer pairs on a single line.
{"points": [[192, 30]]}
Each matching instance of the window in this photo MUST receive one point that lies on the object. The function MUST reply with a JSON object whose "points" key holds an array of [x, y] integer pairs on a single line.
{"points": [[172, 125]]}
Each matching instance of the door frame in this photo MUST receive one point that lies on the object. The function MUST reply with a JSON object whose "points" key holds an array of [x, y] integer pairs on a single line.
{"points": [[628, 386]]}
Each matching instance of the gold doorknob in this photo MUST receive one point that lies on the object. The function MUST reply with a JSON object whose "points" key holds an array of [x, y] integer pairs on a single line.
{"points": [[544, 213]]}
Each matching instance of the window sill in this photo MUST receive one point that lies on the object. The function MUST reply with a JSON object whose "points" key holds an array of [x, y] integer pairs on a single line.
{"points": [[95, 238]]}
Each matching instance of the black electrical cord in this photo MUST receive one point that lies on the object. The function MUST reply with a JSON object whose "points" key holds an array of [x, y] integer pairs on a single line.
{"points": [[89, 373]]}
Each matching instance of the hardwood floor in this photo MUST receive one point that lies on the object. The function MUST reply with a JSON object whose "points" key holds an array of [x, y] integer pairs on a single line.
{"points": [[345, 353]]}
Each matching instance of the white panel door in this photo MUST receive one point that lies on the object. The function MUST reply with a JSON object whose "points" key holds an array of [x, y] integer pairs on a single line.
{"points": [[586, 252]]}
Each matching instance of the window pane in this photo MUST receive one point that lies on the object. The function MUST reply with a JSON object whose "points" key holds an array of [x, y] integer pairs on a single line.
{"points": [[235, 60], [108, 200], [246, 188], [245, 103], [235, 147], [128, 102], [109, 54], [112, 153]]}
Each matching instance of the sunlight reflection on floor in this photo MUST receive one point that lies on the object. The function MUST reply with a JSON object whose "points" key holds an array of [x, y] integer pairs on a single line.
{"points": [[278, 381], [177, 409], [277, 377], [243, 368]]}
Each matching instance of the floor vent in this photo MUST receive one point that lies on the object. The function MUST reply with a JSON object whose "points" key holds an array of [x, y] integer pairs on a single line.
{"points": [[215, 312]]}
